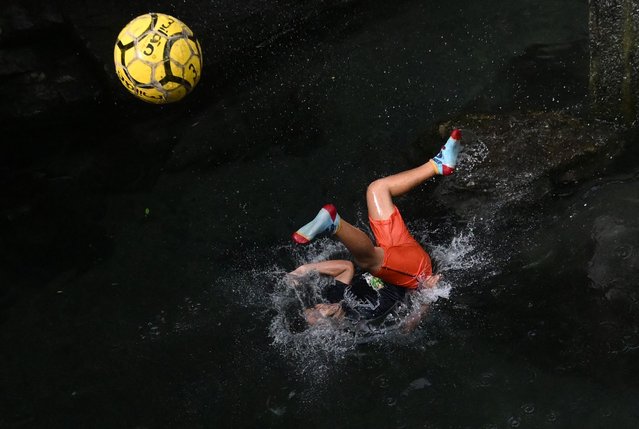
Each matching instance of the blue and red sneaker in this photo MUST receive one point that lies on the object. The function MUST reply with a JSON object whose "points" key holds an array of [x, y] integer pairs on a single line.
{"points": [[446, 160], [327, 220]]}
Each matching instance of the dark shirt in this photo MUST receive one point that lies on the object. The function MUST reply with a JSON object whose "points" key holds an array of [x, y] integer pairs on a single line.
{"points": [[361, 301]]}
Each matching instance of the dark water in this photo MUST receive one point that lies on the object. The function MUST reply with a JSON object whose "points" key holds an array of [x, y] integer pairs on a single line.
{"points": [[177, 317]]}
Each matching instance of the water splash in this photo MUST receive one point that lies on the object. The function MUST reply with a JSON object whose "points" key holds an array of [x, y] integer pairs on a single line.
{"points": [[473, 154], [316, 348], [461, 254], [319, 350]]}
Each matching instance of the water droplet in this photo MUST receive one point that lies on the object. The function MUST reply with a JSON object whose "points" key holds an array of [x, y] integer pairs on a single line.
{"points": [[486, 378], [278, 411], [420, 383], [528, 408], [623, 251], [383, 382], [514, 421]]}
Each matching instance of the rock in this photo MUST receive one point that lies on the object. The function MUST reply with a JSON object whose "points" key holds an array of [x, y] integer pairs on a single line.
{"points": [[614, 60], [509, 159]]}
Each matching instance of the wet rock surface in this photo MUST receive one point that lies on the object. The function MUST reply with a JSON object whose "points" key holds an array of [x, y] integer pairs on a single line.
{"points": [[563, 234], [614, 60], [567, 256], [520, 158]]}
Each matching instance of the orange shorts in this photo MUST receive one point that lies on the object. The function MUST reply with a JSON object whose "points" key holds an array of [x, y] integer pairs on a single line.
{"points": [[405, 260]]}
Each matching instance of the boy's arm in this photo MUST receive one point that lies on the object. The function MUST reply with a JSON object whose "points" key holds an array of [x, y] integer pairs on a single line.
{"points": [[411, 322], [341, 270]]}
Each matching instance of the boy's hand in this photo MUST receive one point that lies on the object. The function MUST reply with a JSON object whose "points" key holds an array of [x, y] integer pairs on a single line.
{"points": [[431, 281]]}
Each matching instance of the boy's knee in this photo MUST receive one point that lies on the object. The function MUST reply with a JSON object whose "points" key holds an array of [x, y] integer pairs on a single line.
{"points": [[376, 186]]}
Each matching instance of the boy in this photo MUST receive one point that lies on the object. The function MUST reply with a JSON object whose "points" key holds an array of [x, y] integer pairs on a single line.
{"points": [[396, 259]]}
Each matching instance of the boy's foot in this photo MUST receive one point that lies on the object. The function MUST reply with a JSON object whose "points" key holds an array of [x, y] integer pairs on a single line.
{"points": [[327, 220], [446, 160]]}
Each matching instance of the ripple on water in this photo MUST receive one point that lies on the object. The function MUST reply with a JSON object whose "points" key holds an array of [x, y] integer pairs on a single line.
{"points": [[514, 421]]}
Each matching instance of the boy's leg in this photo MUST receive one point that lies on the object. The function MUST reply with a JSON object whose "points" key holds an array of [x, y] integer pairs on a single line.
{"points": [[380, 193], [380, 206], [366, 255]]}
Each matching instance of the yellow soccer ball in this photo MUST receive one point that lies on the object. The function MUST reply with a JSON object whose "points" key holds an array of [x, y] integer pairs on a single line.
{"points": [[157, 58]]}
